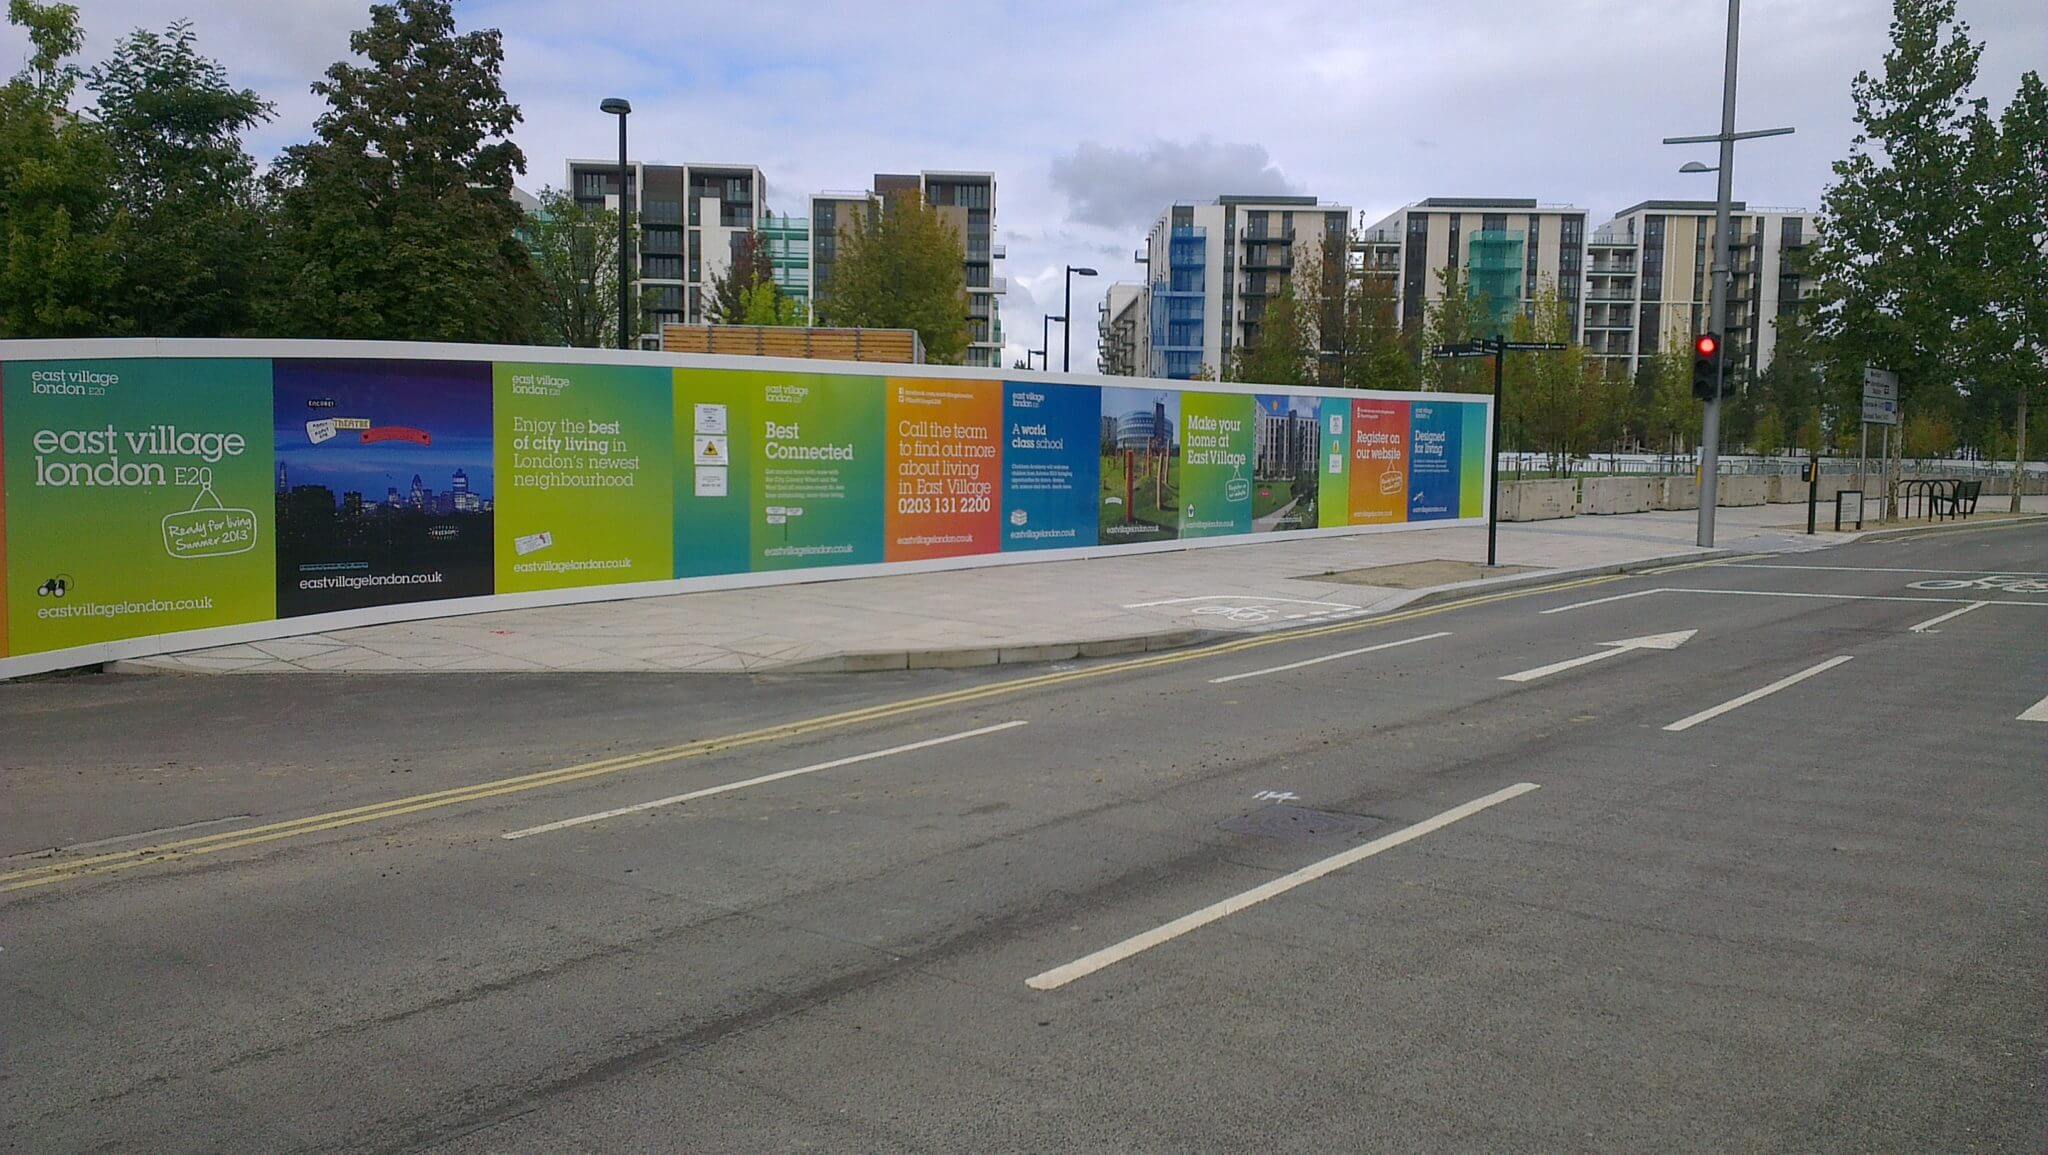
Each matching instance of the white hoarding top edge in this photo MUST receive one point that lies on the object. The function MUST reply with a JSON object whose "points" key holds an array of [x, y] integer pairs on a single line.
{"points": [[128, 348]]}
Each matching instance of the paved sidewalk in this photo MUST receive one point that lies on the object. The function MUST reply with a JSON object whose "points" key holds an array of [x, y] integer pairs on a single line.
{"points": [[1033, 612]]}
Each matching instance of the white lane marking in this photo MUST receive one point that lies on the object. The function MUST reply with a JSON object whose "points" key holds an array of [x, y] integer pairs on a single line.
{"points": [[1712, 712], [1927, 626], [1855, 597], [1602, 601], [1238, 598], [1885, 569], [2038, 712], [1670, 641], [1328, 658], [729, 787], [1108, 956]]}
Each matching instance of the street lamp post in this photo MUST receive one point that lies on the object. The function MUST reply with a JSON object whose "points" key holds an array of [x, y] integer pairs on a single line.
{"points": [[1710, 425], [1067, 329], [622, 109], [1045, 340]]}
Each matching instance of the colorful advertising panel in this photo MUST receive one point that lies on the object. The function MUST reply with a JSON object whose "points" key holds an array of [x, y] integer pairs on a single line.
{"points": [[138, 496], [384, 483], [1334, 495], [1287, 465], [1140, 440], [1435, 432], [944, 468], [584, 457], [1379, 462], [1216, 464], [1051, 436], [1472, 458], [805, 483]]}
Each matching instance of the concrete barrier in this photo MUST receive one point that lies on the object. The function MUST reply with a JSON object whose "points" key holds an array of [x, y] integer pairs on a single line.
{"points": [[1618, 494], [1746, 489], [1788, 489], [1681, 492], [1538, 500]]}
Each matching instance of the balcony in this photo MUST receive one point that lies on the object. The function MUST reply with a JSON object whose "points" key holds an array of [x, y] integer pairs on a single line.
{"points": [[1265, 257], [1250, 235]]}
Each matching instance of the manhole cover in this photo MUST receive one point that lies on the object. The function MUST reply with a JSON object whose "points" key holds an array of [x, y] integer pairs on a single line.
{"points": [[1301, 824]]}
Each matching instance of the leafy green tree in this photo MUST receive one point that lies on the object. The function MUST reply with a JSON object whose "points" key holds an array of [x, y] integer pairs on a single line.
{"points": [[767, 304], [397, 222], [1355, 333], [1553, 402], [61, 228], [901, 269], [2007, 332], [575, 253], [1892, 260], [175, 124], [734, 289], [1452, 319], [1283, 351]]}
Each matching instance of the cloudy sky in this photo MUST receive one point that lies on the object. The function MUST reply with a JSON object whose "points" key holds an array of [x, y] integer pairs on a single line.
{"points": [[1096, 114]]}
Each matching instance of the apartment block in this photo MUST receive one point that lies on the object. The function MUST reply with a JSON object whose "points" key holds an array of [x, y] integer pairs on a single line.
{"points": [[1507, 250], [689, 220], [1123, 330], [787, 237], [1647, 286], [966, 201], [1213, 267]]}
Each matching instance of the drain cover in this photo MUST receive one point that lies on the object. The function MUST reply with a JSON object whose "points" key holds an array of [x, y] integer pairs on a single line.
{"points": [[1300, 824]]}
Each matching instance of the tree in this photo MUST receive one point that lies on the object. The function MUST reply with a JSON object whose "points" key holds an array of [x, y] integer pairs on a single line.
{"points": [[576, 271], [61, 229], [1452, 319], [175, 124], [1356, 334], [2007, 333], [767, 304], [397, 221], [1894, 275], [734, 289], [901, 269], [1283, 350], [1556, 402]]}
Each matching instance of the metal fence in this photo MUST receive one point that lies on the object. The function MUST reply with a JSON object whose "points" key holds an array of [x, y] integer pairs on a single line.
{"points": [[1601, 464]]}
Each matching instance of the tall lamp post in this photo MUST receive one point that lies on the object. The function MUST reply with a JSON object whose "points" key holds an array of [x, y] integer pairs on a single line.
{"points": [[1045, 339], [1067, 329], [622, 109], [1710, 425]]}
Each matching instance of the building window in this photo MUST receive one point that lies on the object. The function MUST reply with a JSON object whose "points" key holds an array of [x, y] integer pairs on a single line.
{"points": [[1790, 233], [1494, 222]]}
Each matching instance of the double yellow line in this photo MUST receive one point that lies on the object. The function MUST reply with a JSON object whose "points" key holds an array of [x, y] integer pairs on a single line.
{"points": [[187, 848]]}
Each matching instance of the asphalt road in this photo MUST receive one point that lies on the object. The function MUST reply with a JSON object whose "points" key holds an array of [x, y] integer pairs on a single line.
{"points": [[1778, 886]]}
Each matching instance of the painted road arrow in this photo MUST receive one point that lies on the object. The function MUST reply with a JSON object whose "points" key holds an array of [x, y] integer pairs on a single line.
{"points": [[1670, 641]]}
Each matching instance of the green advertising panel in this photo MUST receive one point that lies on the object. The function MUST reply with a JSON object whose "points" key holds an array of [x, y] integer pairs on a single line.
{"points": [[786, 467], [139, 499], [1335, 492], [1216, 464], [584, 463]]}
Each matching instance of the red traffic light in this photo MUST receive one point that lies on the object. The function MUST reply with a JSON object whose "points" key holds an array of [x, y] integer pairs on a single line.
{"points": [[1706, 344]]}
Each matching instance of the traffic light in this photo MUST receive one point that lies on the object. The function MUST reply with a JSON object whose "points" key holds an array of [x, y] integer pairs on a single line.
{"points": [[1707, 374]]}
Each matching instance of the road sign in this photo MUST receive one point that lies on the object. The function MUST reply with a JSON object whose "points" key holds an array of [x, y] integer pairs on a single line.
{"points": [[1534, 346], [1880, 397]]}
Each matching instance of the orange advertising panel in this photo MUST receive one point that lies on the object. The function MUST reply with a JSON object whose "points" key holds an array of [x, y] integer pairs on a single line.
{"points": [[1379, 462], [944, 466]]}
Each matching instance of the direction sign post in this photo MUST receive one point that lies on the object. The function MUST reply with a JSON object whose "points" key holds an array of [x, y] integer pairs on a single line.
{"points": [[1493, 347], [1880, 407]]}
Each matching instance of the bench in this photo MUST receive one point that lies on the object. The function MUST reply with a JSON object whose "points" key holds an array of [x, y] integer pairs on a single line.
{"points": [[1960, 500]]}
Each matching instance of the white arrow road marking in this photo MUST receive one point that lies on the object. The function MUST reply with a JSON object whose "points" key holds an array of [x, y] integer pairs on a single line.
{"points": [[1087, 965], [2038, 712], [778, 776], [1927, 627], [1713, 712], [1670, 641]]}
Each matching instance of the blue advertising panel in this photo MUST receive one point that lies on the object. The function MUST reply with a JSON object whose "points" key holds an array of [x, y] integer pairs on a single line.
{"points": [[1051, 436], [1435, 431]]}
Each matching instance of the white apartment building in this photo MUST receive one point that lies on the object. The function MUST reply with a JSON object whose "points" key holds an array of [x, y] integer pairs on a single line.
{"points": [[1506, 248], [689, 226], [1123, 329], [1647, 285], [1211, 269]]}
